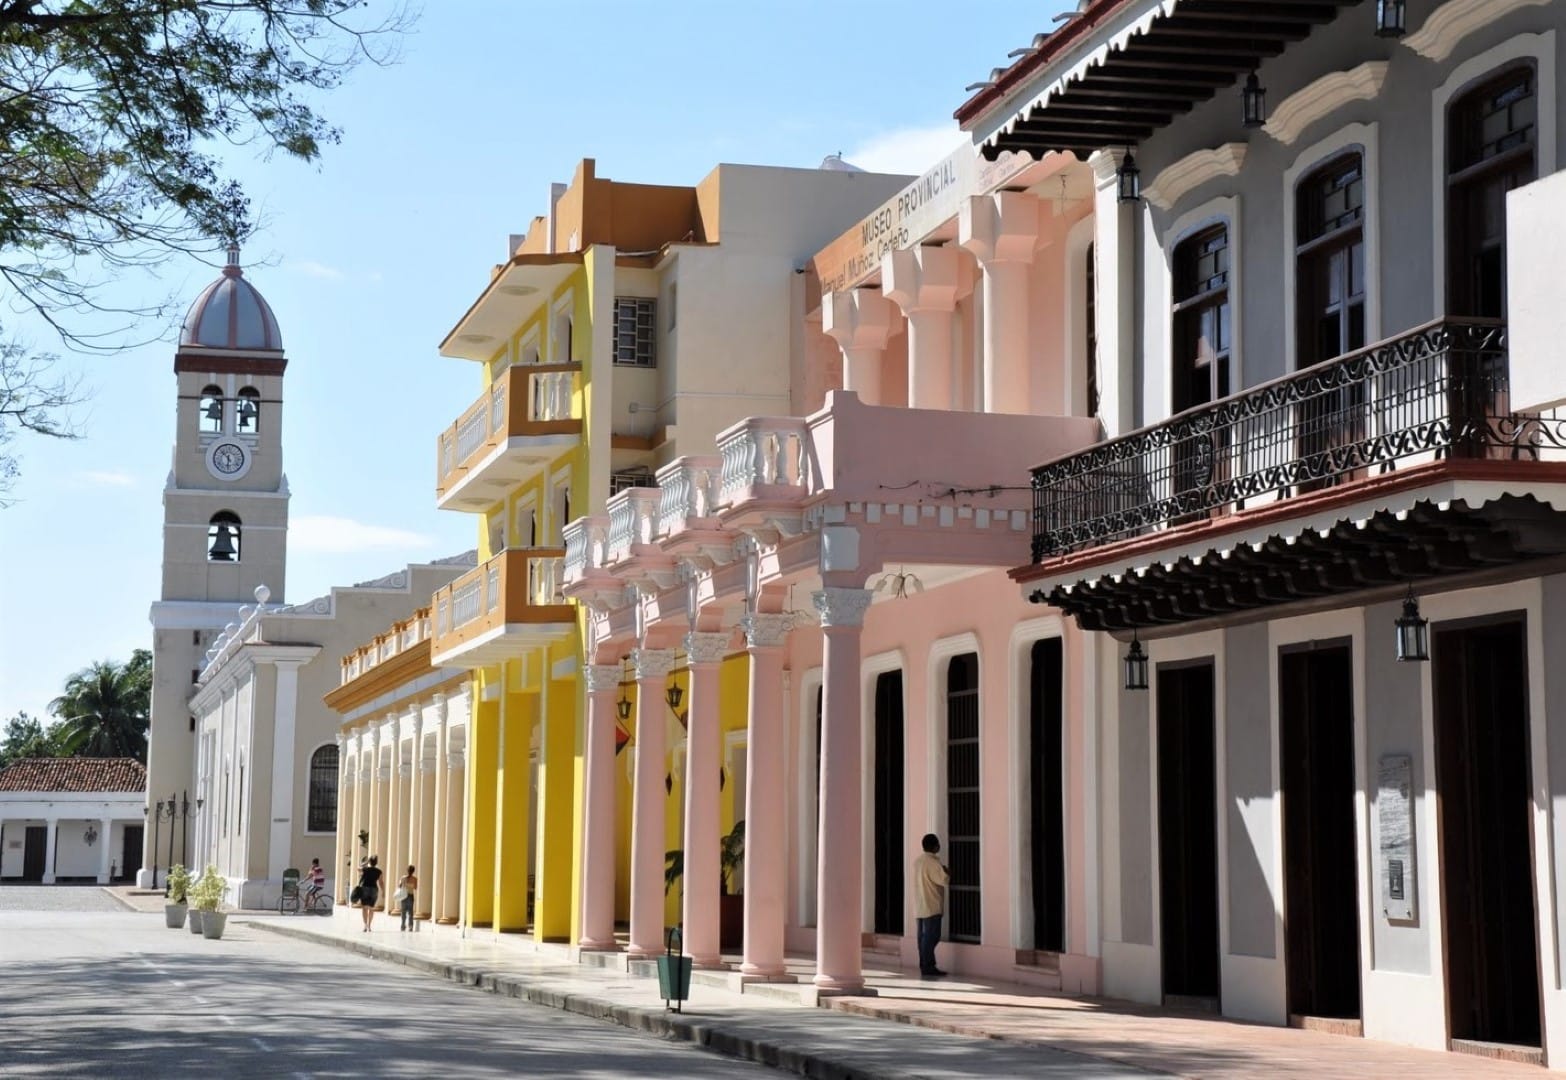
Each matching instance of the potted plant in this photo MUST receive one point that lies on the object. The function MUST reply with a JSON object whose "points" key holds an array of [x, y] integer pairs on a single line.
{"points": [[175, 906], [206, 897], [731, 904], [731, 901]]}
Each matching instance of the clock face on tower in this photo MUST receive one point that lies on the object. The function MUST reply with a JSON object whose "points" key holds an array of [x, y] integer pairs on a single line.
{"points": [[228, 460]]}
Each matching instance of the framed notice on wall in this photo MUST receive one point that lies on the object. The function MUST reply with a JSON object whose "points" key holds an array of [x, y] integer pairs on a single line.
{"points": [[1395, 842]]}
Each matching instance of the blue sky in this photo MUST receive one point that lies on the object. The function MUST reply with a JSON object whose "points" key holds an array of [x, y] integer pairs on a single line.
{"points": [[371, 256]]}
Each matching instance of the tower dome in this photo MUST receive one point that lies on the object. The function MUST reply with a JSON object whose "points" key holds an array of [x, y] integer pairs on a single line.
{"points": [[231, 313]]}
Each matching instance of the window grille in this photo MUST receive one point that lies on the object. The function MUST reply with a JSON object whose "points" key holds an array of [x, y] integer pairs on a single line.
{"points": [[962, 797], [635, 331], [322, 815]]}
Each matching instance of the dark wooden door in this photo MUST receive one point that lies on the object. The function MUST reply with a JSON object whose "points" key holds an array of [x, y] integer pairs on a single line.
{"points": [[130, 852], [1187, 831], [1046, 812], [1321, 909], [888, 799], [1482, 787], [33, 854], [963, 903]]}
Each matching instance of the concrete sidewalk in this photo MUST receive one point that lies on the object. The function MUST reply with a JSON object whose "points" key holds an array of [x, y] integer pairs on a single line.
{"points": [[909, 1028]]}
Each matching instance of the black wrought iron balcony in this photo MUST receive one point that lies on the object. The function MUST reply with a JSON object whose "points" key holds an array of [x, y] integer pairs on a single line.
{"points": [[1437, 392]]}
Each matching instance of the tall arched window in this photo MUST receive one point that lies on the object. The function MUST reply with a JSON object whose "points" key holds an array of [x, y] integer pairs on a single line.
{"points": [[210, 413], [223, 537], [322, 812], [1201, 319], [1329, 256], [1330, 259], [1090, 317], [1491, 134], [247, 411], [962, 796]]}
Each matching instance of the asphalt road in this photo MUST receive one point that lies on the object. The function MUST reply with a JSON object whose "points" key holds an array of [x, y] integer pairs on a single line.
{"points": [[86, 991]]}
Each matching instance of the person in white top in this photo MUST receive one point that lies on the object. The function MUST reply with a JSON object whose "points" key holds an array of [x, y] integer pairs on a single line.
{"points": [[930, 879]]}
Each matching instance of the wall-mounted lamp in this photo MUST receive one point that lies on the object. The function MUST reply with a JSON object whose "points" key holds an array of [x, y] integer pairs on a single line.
{"points": [[1391, 18], [1136, 664], [1413, 632], [1253, 103], [91, 835], [1128, 178]]}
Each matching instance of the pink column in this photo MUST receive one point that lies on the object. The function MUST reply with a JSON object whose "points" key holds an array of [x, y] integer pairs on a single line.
{"points": [[649, 838], [766, 837], [923, 282], [840, 865], [703, 862], [598, 820], [859, 320]]}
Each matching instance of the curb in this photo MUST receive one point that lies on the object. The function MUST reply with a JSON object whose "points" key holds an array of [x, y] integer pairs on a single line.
{"points": [[120, 900], [714, 1035]]}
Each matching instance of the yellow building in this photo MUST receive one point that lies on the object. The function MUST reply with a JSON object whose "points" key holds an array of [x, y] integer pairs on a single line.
{"points": [[629, 320]]}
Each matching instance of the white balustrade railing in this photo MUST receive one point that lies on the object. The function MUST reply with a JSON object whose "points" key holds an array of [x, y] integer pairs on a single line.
{"points": [[549, 394], [467, 603], [576, 563], [688, 488], [472, 430], [545, 578], [622, 526], [764, 452]]}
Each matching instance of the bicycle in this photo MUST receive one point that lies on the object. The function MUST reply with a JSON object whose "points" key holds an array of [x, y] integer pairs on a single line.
{"points": [[318, 902]]}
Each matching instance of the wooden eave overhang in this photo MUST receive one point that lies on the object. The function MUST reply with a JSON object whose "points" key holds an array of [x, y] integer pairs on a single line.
{"points": [[1153, 61]]}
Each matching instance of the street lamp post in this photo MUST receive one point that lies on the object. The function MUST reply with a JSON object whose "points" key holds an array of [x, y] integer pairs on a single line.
{"points": [[156, 818], [171, 809]]}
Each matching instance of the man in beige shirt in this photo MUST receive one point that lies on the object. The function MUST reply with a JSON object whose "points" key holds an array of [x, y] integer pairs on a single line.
{"points": [[930, 878]]}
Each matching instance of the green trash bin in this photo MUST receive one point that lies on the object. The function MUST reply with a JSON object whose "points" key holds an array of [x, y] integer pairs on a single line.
{"points": [[674, 972]]}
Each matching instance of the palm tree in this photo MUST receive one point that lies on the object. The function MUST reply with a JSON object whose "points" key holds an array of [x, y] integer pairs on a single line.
{"points": [[103, 712]]}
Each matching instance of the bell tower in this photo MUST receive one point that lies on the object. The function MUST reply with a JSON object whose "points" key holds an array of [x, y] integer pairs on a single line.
{"points": [[225, 511]]}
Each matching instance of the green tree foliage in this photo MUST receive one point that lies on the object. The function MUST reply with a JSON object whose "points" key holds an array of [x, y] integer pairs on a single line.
{"points": [[26, 737], [104, 709], [113, 118]]}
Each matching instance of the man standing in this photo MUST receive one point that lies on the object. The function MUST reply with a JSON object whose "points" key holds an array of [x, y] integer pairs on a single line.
{"points": [[930, 879]]}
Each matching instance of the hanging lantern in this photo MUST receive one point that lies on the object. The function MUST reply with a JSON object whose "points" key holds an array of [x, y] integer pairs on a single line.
{"points": [[1413, 632], [1253, 103], [674, 695], [1129, 179], [1136, 665], [1391, 18], [623, 706]]}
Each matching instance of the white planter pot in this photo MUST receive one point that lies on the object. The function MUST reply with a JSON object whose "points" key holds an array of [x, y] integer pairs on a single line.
{"points": [[195, 921], [212, 923], [174, 916]]}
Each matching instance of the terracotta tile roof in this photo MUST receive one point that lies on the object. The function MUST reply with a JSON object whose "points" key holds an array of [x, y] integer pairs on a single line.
{"points": [[74, 774]]}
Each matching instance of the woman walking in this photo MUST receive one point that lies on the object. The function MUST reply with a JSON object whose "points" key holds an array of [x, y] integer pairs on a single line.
{"points": [[369, 890], [407, 888]]}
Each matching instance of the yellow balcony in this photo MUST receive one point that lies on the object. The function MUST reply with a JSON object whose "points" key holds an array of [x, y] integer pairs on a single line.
{"points": [[527, 418], [500, 608]]}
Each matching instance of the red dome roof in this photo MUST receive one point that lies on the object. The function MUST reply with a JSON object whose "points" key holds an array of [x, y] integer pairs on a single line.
{"points": [[231, 313]]}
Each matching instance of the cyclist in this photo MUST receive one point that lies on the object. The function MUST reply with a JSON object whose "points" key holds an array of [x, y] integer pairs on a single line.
{"points": [[317, 882]]}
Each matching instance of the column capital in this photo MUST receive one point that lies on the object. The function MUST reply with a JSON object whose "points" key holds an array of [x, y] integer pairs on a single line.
{"points": [[1105, 164], [921, 278], [602, 678], [766, 631], [841, 607], [652, 663], [706, 648], [999, 228], [857, 318]]}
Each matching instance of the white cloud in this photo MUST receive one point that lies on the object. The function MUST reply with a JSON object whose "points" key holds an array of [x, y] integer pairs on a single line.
{"points": [[341, 536], [107, 478], [311, 268], [907, 150]]}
